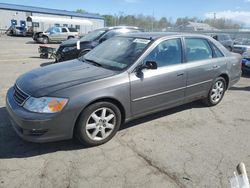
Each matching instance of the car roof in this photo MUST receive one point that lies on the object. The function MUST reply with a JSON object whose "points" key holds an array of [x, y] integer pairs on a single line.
{"points": [[121, 27], [157, 35]]}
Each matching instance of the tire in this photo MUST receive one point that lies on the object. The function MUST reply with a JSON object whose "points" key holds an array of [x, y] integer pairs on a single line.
{"points": [[93, 129], [216, 92], [70, 37], [45, 40]]}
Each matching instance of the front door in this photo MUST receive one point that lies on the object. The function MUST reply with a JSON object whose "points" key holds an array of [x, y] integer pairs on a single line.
{"points": [[55, 34], [164, 87]]}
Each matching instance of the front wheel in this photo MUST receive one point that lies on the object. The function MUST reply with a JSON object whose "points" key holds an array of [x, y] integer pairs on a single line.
{"points": [[45, 40], [98, 123], [216, 92]]}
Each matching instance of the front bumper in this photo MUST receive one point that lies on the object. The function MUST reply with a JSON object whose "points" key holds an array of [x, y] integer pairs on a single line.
{"points": [[37, 127]]}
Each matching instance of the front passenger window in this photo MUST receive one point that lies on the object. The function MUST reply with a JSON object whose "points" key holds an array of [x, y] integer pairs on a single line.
{"points": [[166, 53]]}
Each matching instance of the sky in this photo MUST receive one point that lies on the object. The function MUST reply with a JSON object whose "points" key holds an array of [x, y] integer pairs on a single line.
{"points": [[237, 10]]}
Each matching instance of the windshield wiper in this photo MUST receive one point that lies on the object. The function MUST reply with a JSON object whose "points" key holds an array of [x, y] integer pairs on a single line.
{"points": [[93, 62]]}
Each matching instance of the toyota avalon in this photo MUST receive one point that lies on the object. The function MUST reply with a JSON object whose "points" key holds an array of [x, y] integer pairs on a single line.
{"points": [[123, 78]]}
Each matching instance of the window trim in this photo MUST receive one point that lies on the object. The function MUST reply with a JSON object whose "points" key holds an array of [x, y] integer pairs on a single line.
{"points": [[211, 46]]}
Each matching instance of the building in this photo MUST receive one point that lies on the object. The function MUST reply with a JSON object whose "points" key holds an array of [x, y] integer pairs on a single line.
{"points": [[40, 19], [195, 26]]}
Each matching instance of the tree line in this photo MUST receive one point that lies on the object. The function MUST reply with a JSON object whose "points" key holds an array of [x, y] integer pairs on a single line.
{"points": [[150, 23]]}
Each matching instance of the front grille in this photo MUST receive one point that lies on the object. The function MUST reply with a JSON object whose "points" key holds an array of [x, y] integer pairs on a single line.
{"points": [[20, 96]]}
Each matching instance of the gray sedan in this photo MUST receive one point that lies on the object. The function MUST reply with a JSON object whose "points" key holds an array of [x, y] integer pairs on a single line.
{"points": [[123, 78]]}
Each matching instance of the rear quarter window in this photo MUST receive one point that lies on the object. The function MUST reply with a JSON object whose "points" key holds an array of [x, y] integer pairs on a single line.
{"points": [[217, 53], [72, 30], [198, 49]]}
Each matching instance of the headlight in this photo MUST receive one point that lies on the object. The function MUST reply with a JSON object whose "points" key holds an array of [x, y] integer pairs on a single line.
{"points": [[45, 104], [66, 49]]}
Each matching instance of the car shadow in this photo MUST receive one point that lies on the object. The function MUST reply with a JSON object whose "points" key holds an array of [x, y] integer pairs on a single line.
{"points": [[11, 146], [31, 42], [157, 115], [245, 75], [47, 63], [234, 88]]}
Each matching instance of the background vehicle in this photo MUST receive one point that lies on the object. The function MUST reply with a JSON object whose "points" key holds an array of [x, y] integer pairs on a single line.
{"points": [[246, 61], [121, 79], [55, 34], [17, 31], [241, 46], [68, 49], [42, 23], [224, 39]]}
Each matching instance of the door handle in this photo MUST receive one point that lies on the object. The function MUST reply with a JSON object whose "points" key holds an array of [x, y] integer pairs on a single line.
{"points": [[180, 74], [216, 67]]}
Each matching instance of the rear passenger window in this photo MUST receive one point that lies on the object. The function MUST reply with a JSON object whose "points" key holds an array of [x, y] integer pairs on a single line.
{"points": [[72, 30], [197, 49], [64, 30]]}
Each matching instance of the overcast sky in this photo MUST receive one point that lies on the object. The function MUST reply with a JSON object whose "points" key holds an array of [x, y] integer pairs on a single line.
{"points": [[238, 10]]}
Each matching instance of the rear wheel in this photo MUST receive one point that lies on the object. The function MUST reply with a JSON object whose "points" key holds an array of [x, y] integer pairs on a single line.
{"points": [[71, 37], [98, 123], [216, 92]]}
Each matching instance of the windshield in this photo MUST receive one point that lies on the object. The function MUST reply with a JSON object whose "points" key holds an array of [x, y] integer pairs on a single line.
{"points": [[118, 53], [53, 30], [93, 35]]}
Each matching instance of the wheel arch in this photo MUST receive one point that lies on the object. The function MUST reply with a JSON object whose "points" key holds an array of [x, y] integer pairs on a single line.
{"points": [[70, 37], [226, 77], [104, 99], [46, 36]]}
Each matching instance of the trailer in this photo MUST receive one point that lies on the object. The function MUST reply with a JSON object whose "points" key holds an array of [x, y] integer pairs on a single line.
{"points": [[39, 23]]}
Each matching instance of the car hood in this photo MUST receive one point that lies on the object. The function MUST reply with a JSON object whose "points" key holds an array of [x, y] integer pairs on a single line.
{"points": [[45, 80], [73, 41], [69, 42]]}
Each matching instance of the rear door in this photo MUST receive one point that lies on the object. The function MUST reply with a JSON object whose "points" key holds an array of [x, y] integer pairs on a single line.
{"points": [[64, 34], [204, 62]]}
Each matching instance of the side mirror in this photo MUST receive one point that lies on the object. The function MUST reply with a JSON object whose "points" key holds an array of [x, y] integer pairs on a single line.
{"points": [[150, 65]]}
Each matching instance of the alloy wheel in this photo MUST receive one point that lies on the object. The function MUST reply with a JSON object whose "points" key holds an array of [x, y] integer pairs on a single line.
{"points": [[217, 92], [100, 124]]}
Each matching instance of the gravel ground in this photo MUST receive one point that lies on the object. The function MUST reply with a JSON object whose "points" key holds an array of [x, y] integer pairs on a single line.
{"points": [[188, 146]]}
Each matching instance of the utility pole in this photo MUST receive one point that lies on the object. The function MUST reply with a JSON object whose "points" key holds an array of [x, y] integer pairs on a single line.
{"points": [[152, 28]]}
